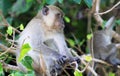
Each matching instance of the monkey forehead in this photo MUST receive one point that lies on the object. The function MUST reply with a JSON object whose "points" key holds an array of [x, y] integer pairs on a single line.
{"points": [[54, 8]]}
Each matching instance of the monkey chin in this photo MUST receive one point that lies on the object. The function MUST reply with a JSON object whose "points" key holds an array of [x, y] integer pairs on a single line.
{"points": [[58, 25]]}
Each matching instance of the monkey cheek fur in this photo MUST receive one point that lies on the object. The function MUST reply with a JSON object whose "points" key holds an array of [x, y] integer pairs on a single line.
{"points": [[59, 25]]}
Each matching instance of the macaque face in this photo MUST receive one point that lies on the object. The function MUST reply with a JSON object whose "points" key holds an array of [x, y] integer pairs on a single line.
{"points": [[53, 17]]}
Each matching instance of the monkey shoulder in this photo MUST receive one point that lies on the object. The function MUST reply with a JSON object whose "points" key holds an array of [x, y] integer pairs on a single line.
{"points": [[102, 36]]}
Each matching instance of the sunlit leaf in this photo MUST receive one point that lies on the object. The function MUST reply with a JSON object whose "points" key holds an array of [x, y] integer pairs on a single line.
{"points": [[89, 36], [71, 42], [111, 74], [24, 50], [67, 19], [77, 73], [81, 43], [21, 27], [77, 1], [9, 30], [1, 70], [88, 3], [88, 58]]}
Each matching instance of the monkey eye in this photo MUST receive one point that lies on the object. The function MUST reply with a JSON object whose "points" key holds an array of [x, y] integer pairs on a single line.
{"points": [[59, 15], [45, 10]]}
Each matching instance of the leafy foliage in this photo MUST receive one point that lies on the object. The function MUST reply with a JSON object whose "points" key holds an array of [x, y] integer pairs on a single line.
{"points": [[21, 27], [17, 8], [19, 12], [77, 73], [89, 36], [9, 30], [88, 3], [27, 61], [1, 70], [67, 19], [77, 1], [24, 50], [111, 74], [88, 58]]}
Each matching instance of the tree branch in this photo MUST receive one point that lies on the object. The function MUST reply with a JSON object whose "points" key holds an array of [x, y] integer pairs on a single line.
{"points": [[8, 66], [109, 9], [6, 49]]}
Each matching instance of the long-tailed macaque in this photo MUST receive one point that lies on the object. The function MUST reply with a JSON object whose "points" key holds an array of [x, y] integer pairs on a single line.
{"points": [[102, 44], [46, 25]]}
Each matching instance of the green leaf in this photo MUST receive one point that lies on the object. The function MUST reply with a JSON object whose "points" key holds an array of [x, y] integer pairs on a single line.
{"points": [[77, 73], [87, 50], [60, 1], [81, 43], [77, 1], [71, 42], [21, 6], [30, 73], [5, 6], [88, 3], [27, 62], [21, 27], [118, 22], [18, 74], [111, 74], [51, 1], [24, 50], [88, 58], [89, 36], [67, 19], [1, 70], [9, 30], [9, 20], [103, 24]]}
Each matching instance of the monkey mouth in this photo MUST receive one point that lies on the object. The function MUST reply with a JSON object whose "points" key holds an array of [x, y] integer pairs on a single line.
{"points": [[62, 26], [59, 25]]}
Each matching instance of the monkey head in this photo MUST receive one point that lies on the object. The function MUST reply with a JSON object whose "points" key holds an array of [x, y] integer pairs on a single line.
{"points": [[52, 17]]}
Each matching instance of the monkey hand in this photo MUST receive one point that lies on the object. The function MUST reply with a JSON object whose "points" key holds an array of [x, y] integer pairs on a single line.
{"points": [[57, 67], [62, 60], [74, 59], [77, 60], [56, 70]]}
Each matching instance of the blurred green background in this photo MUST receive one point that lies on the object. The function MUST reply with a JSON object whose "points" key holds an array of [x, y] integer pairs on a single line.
{"points": [[20, 12]]}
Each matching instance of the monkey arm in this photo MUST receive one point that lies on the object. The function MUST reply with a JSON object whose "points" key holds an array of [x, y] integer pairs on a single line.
{"points": [[51, 44], [46, 51], [116, 36]]}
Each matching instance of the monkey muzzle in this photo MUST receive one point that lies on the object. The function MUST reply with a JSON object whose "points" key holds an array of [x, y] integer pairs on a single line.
{"points": [[60, 24]]}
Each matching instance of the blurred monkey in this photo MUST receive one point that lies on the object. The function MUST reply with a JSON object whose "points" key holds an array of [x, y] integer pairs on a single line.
{"points": [[47, 25]]}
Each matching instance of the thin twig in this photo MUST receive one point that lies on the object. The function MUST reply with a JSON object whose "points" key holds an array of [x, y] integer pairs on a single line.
{"points": [[83, 62], [96, 7], [6, 49], [7, 24], [109, 9], [8, 66]]}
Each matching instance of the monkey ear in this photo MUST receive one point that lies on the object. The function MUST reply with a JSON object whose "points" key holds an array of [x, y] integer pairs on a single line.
{"points": [[45, 10]]}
